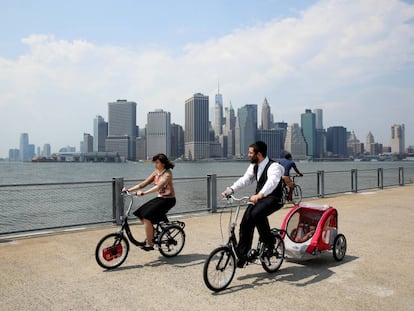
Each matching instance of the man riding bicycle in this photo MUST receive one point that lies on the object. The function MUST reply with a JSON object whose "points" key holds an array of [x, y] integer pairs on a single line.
{"points": [[267, 199]]}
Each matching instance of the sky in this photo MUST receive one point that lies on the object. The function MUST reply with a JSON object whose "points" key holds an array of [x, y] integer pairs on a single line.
{"points": [[62, 62]]}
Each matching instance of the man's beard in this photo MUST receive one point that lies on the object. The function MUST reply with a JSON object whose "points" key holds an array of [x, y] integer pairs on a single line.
{"points": [[254, 160]]}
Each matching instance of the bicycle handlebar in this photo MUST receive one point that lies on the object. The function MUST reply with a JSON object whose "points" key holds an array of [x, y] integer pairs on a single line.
{"points": [[232, 197]]}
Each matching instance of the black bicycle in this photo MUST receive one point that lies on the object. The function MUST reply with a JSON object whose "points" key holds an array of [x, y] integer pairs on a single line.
{"points": [[296, 195], [220, 266], [113, 249]]}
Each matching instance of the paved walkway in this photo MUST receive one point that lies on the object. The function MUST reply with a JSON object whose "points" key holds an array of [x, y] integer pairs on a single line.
{"points": [[58, 271]]}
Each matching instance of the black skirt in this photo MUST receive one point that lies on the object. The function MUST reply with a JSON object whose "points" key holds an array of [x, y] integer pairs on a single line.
{"points": [[155, 209]]}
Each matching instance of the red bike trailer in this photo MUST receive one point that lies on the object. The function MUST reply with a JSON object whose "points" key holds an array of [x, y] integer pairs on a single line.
{"points": [[309, 229]]}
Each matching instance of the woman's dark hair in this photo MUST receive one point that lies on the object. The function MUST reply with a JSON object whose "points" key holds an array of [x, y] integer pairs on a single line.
{"points": [[164, 160]]}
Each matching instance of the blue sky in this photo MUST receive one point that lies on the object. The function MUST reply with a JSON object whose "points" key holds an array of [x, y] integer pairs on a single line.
{"points": [[61, 62]]}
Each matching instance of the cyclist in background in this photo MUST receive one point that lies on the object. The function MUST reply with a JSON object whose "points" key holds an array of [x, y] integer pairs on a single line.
{"points": [[268, 175], [288, 164]]}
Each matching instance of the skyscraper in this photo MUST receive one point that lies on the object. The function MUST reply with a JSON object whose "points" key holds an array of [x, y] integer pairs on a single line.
{"points": [[369, 143], [295, 142], [336, 141], [398, 138], [100, 133], [308, 124], [218, 114], [26, 150], [158, 133], [122, 127], [197, 144], [318, 118], [229, 130], [266, 123], [247, 129]]}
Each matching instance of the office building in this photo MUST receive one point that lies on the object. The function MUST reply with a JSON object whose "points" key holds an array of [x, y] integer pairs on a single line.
{"points": [[266, 122], [398, 138], [295, 142], [229, 130], [274, 139], [355, 147], [87, 143], [158, 133], [369, 142], [196, 136], [218, 114], [318, 118], [177, 141], [336, 142], [122, 127], [246, 129], [308, 124], [47, 150], [100, 133]]}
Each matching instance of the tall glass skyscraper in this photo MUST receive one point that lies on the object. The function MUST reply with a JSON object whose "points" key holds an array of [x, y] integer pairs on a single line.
{"points": [[122, 128], [158, 133], [100, 132], [197, 142], [218, 114], [308, 124], [247, 129], [336, 141]]}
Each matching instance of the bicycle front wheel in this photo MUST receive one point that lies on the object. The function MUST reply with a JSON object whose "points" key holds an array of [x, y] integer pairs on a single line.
{"points": [[171, 241], [297, 195], [112, 250], [272, 261], [219, 268]]}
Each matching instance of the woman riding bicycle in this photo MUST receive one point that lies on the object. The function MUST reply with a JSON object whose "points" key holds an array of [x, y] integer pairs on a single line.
{"points": [[267, 200], [155, 210]]}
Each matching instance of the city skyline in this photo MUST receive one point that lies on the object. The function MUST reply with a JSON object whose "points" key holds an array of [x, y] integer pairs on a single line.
{"points": [[121, 135], [353, 59]]}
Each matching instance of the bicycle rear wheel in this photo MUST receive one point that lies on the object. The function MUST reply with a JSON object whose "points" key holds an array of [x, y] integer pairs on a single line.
{"points": [[272, 261], [112, 250], [171, 241], [219, 268], [297, 194]]}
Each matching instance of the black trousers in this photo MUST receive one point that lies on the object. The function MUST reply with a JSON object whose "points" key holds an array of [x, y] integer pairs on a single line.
{"points": [[256, 216]]}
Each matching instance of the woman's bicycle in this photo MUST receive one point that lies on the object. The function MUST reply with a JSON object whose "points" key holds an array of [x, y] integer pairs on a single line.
{"points": [[113, 249], [296, 195], [220, 266]]}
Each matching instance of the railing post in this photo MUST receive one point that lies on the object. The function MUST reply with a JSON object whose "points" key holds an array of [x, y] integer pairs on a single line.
{"points": [[380, 178], [117, 200], [212, 193], [401, 176], [354, 180], [321, 184]]}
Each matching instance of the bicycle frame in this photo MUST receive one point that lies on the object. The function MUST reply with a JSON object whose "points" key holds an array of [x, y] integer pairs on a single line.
{"points": [[232, 241]]}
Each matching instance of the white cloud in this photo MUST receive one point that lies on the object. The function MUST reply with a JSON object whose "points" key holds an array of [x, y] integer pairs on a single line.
{"points": [[331, 56]]}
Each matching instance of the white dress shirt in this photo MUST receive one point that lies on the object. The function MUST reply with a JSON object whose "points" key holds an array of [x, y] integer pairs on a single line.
{"points": [[274, 174]]}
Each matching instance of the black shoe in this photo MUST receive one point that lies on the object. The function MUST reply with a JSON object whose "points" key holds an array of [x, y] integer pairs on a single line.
{"points": [[141, 244], [147, 248], [241, 262]]}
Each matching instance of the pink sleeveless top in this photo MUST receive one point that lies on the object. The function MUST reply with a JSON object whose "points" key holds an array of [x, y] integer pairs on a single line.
{"points": [[165, 192]]}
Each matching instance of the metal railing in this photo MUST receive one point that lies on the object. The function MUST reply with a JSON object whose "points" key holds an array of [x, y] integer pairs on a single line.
{"points": [[32, 207]]}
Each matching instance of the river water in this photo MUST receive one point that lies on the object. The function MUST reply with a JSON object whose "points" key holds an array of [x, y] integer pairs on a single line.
{"points": [[34, 195]]}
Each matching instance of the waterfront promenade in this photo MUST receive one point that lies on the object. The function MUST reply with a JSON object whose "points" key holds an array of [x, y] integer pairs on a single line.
{"points": [[58, 271]]}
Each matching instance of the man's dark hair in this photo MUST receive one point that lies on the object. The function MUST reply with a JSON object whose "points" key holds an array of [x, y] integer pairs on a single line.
{"points": [[260, 146], [288, 156]]}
